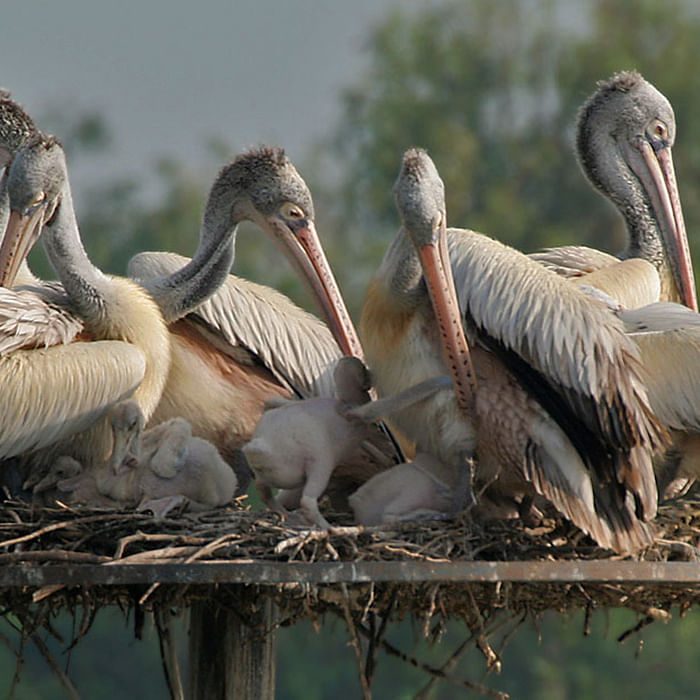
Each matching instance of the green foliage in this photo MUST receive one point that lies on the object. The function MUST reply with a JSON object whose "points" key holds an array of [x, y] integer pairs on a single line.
{"points": [[549, 661], [492, 91]]}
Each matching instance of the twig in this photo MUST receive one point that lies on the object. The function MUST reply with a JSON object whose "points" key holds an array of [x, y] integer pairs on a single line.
{"points": [[63, 555], [355, 641], [168, 653], [446, 668], [476, 687], [61, 525], [68, 687]]}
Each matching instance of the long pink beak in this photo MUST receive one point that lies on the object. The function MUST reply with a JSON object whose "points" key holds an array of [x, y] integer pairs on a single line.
{"points": [[21, 234], [306, 253], [660, 184], [437, 273]]}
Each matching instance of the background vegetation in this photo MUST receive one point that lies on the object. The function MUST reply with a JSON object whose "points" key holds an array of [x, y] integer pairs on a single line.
{"points": [[492, 91]]}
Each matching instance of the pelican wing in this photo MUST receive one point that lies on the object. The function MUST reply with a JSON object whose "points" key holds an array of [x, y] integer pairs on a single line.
{"points": [[633, 282], [568, 350], [32, 317], [293, 344], [85, 380], [573, 260], [668, 338]]}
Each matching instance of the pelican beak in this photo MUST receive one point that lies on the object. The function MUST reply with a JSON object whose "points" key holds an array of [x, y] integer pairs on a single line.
{"points": [[659, 180], [122, 451], [22, 232], [302, 246], [437, 272], [48, 482]]}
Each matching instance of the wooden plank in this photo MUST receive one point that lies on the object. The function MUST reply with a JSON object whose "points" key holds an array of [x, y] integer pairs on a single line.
{"points": [[267, 572]]}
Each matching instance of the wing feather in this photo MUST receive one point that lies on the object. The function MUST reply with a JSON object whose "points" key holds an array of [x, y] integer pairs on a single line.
{"points": [[573, 260], [571, 352], [293, 344], [668, 338], [32, 317], [52, 393]]}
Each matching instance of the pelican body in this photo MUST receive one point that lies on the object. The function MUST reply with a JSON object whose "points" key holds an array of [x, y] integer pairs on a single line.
{"points": [[53, 392], [552, 403]]}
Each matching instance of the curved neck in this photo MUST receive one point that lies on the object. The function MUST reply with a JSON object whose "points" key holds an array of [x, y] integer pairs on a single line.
{"points": [[604, 165], [644, 236], [184, 290], [87, 286]]}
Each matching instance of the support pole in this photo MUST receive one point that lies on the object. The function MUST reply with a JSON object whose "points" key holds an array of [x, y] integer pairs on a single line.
{"points": [[231, 657]]}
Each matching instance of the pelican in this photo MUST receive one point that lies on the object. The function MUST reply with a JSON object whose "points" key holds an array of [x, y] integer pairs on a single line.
{"points": [[625, 133], [16, 130], [248, 343], [552, 403], [668, 337], [53, 391], [163, 465]]}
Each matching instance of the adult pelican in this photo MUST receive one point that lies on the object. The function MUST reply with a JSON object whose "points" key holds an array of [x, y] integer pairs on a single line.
{"points": [[551, 404], [624, 136], [51, 393], [248, 343]]}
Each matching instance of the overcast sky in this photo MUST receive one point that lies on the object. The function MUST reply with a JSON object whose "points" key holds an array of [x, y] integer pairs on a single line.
{"points": [[169, 74]]}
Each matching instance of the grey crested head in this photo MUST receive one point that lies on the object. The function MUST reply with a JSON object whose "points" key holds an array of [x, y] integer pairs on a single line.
{"points": [[419, 192], [265, 179], [16, 127], [37, 173], [623, 108]]}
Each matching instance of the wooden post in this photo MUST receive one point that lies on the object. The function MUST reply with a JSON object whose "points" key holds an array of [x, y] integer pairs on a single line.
{"points": [[229, 657]]}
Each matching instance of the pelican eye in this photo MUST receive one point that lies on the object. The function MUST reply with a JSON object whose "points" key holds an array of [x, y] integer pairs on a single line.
{"points": [[658, 131], [39, 197], [289, 210]]}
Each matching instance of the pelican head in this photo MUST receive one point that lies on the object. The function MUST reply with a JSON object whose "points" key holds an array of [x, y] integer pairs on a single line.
{"points": [[420, 199], [16, 128], [625, 134], [127, 421], [35, 185], [263, 186]]}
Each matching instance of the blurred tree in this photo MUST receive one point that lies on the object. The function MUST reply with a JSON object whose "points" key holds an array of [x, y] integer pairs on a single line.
{"points": [[492, 91]]}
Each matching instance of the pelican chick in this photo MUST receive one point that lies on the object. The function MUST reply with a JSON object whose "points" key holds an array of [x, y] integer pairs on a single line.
{"points": [[421, 489], [297, 444], [160, 467]]}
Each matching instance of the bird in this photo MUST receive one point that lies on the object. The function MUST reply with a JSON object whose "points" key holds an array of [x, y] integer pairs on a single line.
{"points": [[51, 393], [163, 466], [297, 445], [248, 343], [668, 338], [420, 489], [549, 398], [624, 136], [68, 482], [17, 129], [154, 469]]}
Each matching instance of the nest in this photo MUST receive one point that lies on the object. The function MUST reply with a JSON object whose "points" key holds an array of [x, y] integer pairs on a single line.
{"points": [[63, 536]]}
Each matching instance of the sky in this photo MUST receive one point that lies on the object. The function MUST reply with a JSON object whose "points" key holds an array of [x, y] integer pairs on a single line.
{"points": [[170, 74]]}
